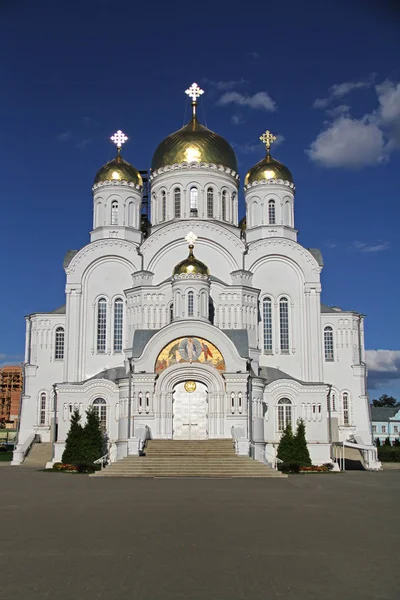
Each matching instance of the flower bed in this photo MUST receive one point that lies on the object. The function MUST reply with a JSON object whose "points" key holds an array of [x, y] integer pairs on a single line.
{"points": [[75, 468], [295, 467]]}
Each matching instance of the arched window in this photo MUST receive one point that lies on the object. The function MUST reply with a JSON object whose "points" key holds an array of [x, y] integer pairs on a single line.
{"points": [[190, 300], [101, 325], [171, 312], [271, 212], [177, 202], [42, 409], [100, 407], [328, 343], [267, 324], [345, 404], [223, 207], [118, 324], [284, 324], [114, 212], [210, 203], [284, 413], [163, 205], [59, 344], [233, 206], [194, 200], [130, 214]]}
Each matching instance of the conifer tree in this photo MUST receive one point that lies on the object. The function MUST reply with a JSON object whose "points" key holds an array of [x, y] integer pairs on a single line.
{"points": [[93, 438], [286, 445], [387, 442], [74, 443], [301, 453]]}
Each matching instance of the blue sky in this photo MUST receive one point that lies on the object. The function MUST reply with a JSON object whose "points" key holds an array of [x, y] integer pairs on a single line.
{"points": [[323, 75]]}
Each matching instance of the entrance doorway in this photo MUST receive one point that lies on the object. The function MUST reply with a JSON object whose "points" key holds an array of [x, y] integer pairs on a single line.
{"points": [[190, 411]]}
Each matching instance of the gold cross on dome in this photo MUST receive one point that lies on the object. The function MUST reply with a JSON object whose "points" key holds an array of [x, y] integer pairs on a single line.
{"points": [[191, 238], [268, 138], [119, 138], [194, 92]]}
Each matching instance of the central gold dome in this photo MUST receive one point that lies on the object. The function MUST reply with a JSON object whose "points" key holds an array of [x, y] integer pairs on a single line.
{"points": [[191, 265], [194, 143]]}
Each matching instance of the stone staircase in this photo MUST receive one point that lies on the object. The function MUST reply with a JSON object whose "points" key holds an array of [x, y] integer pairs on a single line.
{"points": [[187, 458], [39, 455]]}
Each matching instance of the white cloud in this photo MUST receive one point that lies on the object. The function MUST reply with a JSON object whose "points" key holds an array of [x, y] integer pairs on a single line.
{"points": [[338, 90], [368, 247], [238, 120], [349, 143], [225, 85], [260, 100], [64, 137], [383, 365], [254, 55], [337, 111], [10, 359], [389, 101]]}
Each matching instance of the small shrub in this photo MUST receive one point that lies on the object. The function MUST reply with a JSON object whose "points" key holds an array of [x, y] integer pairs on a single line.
{"points": [[84, 467], [289, 467], [389, 454], [387, 442], [58, 466]]}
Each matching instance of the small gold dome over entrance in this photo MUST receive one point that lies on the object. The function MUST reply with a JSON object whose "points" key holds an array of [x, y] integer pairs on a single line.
{"points": [[191, 265]]}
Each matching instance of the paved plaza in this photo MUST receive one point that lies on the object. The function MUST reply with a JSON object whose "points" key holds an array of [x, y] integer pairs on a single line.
{"points": [[70, 537]]}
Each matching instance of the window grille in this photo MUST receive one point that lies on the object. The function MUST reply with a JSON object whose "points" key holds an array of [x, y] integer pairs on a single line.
{"points": [[114, 213], [59, 344], [284, 324], [101, 325], [118, 324], [284, 413], [328, 343], [267, 324], [210, 203], [177, 202], [190, 304], [271, 212], [100, 407]]}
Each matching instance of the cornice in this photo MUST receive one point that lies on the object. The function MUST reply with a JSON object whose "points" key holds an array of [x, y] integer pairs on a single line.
{"points": [[189, 276], [194, 166], [117, 183], [267, 182]]}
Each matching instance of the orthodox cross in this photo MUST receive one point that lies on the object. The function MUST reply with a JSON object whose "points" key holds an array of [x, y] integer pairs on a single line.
{"points": [[194, 92], [119, 138], [268, 138], [191, 238]]}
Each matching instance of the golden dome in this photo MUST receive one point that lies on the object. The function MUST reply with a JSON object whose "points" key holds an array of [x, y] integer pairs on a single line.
{"points": [[194, 143], [268, 168], [118, 169], [191, 266]]}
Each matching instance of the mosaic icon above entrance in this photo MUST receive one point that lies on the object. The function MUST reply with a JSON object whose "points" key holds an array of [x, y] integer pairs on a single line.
{"points": [[189, 350], [190, 386]]}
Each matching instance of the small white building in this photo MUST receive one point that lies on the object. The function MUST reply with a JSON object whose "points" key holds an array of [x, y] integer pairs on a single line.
{"points": [[226, 337], [385, 423]]}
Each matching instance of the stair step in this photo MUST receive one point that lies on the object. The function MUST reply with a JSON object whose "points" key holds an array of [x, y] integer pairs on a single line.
{"points": [[188, 458]]}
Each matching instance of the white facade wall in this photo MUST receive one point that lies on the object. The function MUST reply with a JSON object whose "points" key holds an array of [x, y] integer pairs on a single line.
{"points": [[119, 265]]}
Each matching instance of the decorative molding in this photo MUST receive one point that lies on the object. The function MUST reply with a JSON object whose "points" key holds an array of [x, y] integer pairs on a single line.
{"points": [[117, 183], [105, 243], [288, 184], [285, 242], [190, 276], [194, 166]]}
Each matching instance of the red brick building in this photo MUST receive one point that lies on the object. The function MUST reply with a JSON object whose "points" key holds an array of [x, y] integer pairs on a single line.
{"points": [[10, 395]]}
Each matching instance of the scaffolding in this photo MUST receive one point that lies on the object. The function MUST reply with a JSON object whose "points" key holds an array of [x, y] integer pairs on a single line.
{"points": [[10, 395]]}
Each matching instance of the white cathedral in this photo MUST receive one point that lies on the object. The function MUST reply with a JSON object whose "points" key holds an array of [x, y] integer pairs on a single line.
{"points": [[196, 326]]}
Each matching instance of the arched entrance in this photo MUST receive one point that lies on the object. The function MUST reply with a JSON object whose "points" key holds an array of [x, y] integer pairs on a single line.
{"points": [[190, 411]]}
